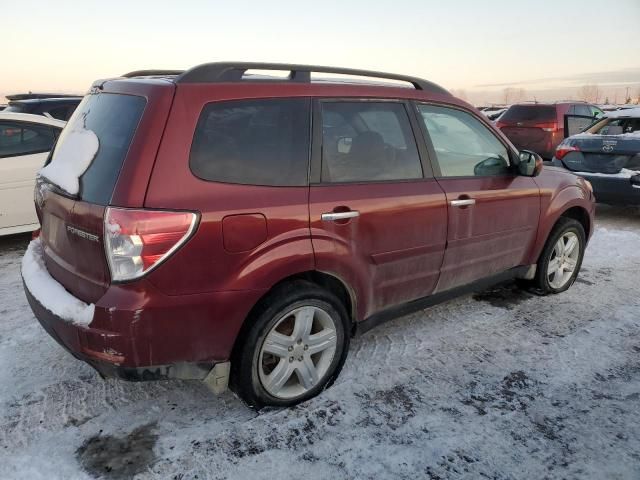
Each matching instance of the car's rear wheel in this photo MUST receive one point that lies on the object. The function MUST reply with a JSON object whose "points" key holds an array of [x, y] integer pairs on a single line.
{"points": [[561, 258], [294, 348]]}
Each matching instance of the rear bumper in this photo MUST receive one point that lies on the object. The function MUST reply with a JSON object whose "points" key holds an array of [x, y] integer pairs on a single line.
{"points": [[138, 333], [609, 189], [80, 342]]}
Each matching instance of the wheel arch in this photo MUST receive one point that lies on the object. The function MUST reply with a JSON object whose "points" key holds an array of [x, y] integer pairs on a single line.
{"points": [[324, 280], [581, 215]]}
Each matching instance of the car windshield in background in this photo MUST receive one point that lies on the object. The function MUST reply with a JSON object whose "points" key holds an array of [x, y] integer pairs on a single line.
{"points": [[113, 118], [617, 126], [529, 113]]}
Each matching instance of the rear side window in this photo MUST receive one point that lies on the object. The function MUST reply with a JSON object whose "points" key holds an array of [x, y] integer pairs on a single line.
{"points": [[114, 119], [367, 141], [530, 113], [18, 138], [583, 110], [253, 142]]}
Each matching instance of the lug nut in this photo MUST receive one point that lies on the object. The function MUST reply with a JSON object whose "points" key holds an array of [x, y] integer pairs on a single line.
{"points": [[290, 359], [290, 348], [299, 359], [306, 347], [299, 342]]}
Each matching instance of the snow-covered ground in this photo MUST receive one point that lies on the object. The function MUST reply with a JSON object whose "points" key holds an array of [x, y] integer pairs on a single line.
{"points": [[499, 385]]}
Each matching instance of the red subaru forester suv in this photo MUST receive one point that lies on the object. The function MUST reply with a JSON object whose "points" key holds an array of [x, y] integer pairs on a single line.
{"points": [[230, 226]]}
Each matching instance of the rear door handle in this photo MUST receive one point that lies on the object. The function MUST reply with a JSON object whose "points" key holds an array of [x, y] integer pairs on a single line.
{"points": [[463, 203], [332, 216]]}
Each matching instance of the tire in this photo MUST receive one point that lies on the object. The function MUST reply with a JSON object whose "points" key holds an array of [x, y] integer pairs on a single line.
{"points": [[296, 329], [545, 282]]}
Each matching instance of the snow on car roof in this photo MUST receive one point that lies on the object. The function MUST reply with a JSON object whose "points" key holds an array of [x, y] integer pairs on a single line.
{"points": [[625, 112]]}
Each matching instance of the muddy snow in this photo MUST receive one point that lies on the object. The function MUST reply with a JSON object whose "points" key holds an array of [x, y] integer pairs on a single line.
{"points": [[501, 384]]}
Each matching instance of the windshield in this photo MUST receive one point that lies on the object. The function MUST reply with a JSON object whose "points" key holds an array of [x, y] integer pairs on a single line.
{"points": [[616, 126], [102, 127]]}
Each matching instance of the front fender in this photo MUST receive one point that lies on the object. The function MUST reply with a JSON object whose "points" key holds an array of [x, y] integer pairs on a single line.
{"points": [[553, 204]]}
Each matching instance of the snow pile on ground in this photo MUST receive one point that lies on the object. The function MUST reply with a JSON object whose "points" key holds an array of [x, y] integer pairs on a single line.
{"points": [[73, 154], [49, 292]]}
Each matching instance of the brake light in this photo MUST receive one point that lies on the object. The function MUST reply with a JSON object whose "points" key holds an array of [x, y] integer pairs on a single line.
{"points": [[548, 127], [500, 124], [137, 241], [563, 150]]}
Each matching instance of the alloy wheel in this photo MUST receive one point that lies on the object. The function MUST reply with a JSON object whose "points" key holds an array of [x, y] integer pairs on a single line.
{"points": [[297, 352], [563, 261]]}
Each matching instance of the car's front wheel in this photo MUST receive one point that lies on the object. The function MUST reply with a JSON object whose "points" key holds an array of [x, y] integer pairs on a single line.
{"points": [[294, 348], [561, 258]]}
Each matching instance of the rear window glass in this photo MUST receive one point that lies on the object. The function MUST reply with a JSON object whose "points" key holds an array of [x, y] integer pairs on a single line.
{"points": [[253, 142], [529, 113], [114, 119]]}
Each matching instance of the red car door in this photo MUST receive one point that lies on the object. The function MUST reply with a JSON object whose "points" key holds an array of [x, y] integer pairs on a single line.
{"points": [[493, 212], [377, 221]]}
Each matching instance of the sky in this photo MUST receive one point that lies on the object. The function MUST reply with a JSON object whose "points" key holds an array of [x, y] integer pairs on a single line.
{"points": [[547, 48]]}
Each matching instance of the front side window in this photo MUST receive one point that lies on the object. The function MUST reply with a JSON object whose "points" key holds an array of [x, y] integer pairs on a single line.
{"points": [[253, 142], [463, 145], [368, 142], [18, 138]]}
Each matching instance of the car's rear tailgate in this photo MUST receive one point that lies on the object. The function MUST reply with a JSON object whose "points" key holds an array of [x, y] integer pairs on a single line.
{"points": [[127, 120], [72, 236]]}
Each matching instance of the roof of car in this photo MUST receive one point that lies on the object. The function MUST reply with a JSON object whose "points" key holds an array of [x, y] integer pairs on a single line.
{"points": [[624, 112], [234, 72], [38, 101], [31, 118]]}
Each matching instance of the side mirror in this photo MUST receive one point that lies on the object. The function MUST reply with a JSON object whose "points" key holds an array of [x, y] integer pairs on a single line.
{"points": [[530, 164], [635, 181], [491, 166]]}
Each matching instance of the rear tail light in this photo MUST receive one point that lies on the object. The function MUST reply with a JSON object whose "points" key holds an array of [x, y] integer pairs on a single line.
{"points": [[500, 124], [563, 150], [137, 241], [548, 127]]}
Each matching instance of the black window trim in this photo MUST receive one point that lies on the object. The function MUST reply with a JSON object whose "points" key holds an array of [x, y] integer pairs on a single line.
{"points": [[315, 176], [56, 132], [310, 109], [513, 155]]}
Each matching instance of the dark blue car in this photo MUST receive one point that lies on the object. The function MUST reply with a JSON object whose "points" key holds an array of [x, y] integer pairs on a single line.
{"points": [[608, 155]]}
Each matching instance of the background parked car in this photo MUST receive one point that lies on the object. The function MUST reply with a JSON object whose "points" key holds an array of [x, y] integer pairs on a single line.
{"points": [[52, 105], [608, 155], [539, 127], [25, 141]]}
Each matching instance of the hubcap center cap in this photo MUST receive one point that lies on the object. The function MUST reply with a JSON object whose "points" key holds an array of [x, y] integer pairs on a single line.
{"points": [[298, 351]]}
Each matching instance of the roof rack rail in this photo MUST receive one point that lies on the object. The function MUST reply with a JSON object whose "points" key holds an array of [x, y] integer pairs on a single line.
{"points": [[152, 73], [219, 72]]}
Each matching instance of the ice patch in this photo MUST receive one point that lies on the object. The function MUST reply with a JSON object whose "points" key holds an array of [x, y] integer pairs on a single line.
{"points": [[49, 292], [72, 156]]}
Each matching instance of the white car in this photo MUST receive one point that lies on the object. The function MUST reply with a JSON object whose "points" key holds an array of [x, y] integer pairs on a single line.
{"points": [[25, 141]]}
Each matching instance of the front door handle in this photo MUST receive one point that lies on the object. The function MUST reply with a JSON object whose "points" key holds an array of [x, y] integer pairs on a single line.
{"points": [[333, 216], [463, 202]]}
